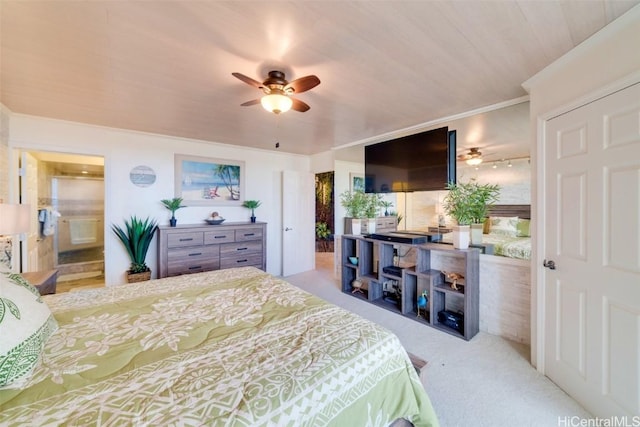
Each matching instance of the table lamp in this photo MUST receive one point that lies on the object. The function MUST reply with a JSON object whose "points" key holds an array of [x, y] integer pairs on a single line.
{"points": [[14, 219]]}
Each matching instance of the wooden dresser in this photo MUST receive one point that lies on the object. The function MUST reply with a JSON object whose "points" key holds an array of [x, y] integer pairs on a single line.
{"points": [[189, 249]]}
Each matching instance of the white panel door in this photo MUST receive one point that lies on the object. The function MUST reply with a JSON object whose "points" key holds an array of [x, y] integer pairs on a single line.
{"points": [[592, 217], [298, 222], [29, 196]]}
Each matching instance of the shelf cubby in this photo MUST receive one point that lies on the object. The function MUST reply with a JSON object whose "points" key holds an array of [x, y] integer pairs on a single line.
{"points": [[416, 276]]}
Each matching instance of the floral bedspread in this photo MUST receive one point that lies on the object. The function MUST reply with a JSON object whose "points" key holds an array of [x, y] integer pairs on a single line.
{"points": [[234, 347]]}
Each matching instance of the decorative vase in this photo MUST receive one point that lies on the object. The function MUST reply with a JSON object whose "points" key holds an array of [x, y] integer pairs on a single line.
{"points": [[461, 236], [173, 221], [356, 226], [253, 218], [476, 234], [371, 225]]}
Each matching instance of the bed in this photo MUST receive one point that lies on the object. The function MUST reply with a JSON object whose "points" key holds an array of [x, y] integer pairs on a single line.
{"points": [[235, 347], [507, 230]]}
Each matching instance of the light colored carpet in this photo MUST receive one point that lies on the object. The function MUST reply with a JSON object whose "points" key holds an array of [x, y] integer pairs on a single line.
{"points": [[487, 381]]}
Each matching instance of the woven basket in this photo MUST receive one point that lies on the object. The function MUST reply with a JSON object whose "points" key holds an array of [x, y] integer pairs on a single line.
{"points": [[138, 277]]}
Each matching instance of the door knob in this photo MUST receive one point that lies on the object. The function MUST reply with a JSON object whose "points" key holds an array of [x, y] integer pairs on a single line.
{"points": [[551, 265], [288, 229]]}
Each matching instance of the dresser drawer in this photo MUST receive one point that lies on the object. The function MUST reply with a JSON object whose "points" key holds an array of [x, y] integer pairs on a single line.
{"points": [[188, 238], [248, 234], [215, 237], [242, 260], [387, 222], [249, 247], [193, 260]]}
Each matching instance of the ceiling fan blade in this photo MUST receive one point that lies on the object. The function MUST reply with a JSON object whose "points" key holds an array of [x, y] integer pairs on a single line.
{"points": [[303, 84], [299, 105], [248, 80], [252, 102]]}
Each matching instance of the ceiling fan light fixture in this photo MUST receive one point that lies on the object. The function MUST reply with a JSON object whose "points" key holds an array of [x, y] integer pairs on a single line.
{"points": [[474, 161], [276, 103]]}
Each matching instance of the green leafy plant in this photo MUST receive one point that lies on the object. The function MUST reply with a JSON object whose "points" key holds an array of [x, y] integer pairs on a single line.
{"points": [[468, 203], [323, 233], [386, 205], [173, 205], [136, 238], [355, 203], [251, 204], [373, 205]]}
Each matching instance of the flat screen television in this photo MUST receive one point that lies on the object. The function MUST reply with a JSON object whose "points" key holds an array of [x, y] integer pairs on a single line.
{"points": [[424, 161]]}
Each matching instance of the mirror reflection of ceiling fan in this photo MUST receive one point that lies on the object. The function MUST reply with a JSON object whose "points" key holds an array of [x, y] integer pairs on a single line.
{"points": [[473, 157], [278, 91]]}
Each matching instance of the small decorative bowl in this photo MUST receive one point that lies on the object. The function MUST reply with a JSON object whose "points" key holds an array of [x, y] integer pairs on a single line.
{"points": [[353, 260], [212, 221]]}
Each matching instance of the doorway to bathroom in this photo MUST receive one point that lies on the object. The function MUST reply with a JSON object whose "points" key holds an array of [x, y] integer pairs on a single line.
{"points": [[68, 196]]}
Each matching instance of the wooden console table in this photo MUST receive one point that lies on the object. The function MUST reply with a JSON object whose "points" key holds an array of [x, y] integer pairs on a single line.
{"points": [[45, 281]]}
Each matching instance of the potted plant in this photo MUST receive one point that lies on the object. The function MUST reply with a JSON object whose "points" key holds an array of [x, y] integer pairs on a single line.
{"points": [[386, 205], [136, 238], [323, 234], [173, 205], [355, 203], [253, 205], [468, 203], [371, 210]]}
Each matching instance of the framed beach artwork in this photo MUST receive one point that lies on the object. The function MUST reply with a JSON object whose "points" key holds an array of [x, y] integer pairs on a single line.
{"points": [[357, 182], [203, 181]]}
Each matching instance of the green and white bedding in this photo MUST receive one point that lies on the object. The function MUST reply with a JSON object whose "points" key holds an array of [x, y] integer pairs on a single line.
{"points": [[234, 347], [506, 246]]}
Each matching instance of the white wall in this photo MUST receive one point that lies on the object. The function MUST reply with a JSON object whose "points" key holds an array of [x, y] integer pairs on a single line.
{"points": [[124, 150]]}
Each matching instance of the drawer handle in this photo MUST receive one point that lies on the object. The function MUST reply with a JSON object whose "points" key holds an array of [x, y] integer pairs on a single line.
{"points": [[195, 254], [241, 249], [219, 237], [242, 260], [249, 234], [187, 240], [195, 267]]}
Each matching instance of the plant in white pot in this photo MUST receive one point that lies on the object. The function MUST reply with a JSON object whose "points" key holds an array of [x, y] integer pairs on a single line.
{"points": [[468, 203], [355, 203], [372, 207]]}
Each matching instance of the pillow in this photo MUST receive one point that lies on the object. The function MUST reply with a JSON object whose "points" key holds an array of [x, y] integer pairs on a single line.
{"points": [[25, 325], [523, 227], [504, 226]]}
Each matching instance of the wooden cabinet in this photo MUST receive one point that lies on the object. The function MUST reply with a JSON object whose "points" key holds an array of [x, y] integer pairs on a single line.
{"points": [[399, 289], [383, 224], [195, 248]]}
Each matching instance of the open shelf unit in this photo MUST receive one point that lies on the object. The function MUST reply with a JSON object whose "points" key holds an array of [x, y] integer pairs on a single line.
{"points": [[400, 294]]}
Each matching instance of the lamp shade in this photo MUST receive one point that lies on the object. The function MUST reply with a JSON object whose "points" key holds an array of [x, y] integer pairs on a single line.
{"points": [[276, 103], [14, 219]]}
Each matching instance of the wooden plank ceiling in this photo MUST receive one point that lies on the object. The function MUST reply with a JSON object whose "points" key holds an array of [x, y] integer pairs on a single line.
{"points": [[165, 67]]}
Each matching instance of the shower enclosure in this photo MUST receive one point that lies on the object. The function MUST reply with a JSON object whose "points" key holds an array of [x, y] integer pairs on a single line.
{"points": [[78, 203]]}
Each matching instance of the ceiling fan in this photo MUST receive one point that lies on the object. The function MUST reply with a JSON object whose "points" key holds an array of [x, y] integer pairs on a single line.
{"points": [[278, 91], [473, 157]]}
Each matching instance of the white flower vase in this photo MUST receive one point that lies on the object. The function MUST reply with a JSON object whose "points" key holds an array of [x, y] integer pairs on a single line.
{"points": [[461, 236]]}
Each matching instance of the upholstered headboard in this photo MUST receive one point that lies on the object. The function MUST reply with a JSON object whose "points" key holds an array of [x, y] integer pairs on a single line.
{"points": [[521, 211]]}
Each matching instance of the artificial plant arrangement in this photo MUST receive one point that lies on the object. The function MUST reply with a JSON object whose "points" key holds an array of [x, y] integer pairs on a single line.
{"points": [[386, 205], [468, 203], [374, 202], [354, 202], [173, 205], [253, 205], [136, 238]]}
